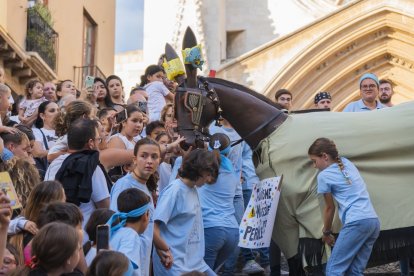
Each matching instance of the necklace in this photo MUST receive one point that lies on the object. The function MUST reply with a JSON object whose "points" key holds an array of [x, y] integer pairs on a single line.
{"points": [[139, 178]]}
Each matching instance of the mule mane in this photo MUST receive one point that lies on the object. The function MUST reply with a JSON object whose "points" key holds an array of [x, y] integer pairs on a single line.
{"points": [[243, 89]]}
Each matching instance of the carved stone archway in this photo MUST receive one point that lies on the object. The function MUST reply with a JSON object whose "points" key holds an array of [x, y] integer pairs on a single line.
{"points": [[381, 42], [333, 52]]}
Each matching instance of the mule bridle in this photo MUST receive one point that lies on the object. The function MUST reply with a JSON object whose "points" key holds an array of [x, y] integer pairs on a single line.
{"points": [[194, 101], [219, 118], [196, 107]]}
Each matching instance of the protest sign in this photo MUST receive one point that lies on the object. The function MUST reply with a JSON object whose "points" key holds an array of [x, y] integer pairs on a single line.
{"points": [[256, 227]]}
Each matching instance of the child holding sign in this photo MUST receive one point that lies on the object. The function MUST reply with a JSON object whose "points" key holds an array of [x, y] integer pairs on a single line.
{"points": [[339, 179]]}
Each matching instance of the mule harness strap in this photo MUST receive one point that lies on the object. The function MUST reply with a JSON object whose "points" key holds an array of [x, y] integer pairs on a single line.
{"points": [[257, 129]]}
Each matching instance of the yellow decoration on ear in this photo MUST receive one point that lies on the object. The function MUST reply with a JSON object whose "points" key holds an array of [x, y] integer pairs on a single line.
{"points": [[173, 68]]}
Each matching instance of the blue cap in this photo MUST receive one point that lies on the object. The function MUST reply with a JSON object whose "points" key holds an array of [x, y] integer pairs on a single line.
{"points": [[369, 76]]}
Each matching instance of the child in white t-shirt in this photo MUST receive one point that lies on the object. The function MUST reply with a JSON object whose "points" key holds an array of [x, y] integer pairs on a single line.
{"points": [[158, 93], [133, 217], [28, 107]]}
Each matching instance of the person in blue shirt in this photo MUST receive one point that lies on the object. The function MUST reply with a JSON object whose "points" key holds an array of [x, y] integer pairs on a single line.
{"points": [[133, 219], [339, 179], [241, 158], [221, 229], [178, 217], [369, 89]]}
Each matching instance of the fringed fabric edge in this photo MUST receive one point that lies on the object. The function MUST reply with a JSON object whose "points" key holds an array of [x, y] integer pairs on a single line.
{"points": [[311, 251], [391, 246]]}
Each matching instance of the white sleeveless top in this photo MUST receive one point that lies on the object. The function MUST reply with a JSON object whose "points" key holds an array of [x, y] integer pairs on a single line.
{"points": [[128, 144]]}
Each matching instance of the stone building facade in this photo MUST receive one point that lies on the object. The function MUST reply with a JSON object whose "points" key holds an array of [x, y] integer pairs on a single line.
{"points": [[305, 46]]}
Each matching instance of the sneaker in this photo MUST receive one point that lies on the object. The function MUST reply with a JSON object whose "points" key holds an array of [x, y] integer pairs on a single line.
{"points": [[252, 267]]}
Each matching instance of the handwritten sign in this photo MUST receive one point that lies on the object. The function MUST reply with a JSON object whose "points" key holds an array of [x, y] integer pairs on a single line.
{"points": [[256, 227], [6, 186]]}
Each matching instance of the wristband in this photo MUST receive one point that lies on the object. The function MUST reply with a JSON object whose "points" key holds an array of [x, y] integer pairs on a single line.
{"points": [[327, 232]]}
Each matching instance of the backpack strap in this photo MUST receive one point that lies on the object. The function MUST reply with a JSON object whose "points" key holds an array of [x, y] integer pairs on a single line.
{"points": [[44, 139]]}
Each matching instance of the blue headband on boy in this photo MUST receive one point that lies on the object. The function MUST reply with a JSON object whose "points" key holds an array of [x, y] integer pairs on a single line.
{"points": [[131, 267], [124, 216], [225, 163]]}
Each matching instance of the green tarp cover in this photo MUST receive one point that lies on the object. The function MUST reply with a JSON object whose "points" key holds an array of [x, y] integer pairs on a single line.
{"points": [[380, 143]]}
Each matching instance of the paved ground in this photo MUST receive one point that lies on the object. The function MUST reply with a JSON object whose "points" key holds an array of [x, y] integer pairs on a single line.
{"points": [[392, 269]]}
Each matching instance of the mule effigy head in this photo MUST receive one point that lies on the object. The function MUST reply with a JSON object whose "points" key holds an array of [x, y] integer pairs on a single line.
{"points": [[188, 105]]}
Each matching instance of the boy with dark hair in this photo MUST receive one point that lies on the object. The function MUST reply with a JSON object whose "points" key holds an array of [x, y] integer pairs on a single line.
{"points": [[284, 97], [154, 128], [133, 217], [178, 218]]}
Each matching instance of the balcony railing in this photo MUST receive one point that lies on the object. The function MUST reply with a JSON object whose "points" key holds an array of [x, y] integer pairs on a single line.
{"points": [[80, 73], [41, 38]]}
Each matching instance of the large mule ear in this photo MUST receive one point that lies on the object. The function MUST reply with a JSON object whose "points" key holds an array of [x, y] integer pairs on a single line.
{"points": [[189, 42], [173, 66]]}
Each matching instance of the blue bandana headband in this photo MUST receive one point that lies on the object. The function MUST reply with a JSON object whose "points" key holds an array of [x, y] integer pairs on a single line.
{"points": [[131, 267], [225, 163], [124, 216]]}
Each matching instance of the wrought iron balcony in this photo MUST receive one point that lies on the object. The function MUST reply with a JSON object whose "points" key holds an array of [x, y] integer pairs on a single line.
{"points": [[41, 38], [80, 73]]}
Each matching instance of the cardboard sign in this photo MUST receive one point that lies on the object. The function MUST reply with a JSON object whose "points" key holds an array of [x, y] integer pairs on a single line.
{"points": [[6, 186], [256, 227]]}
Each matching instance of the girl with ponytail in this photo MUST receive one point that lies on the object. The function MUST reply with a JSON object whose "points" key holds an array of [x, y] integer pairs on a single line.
{"points": [[339, 179]]}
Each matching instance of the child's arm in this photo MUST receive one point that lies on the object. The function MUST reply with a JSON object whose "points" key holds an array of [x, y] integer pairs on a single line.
{"points": [[6, 129], [31, 119], [21, 115], [16, 225], [328, 214], [163, 250]]}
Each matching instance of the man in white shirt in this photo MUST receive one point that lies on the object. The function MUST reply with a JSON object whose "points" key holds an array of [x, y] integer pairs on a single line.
{"points": [[80, 172]]}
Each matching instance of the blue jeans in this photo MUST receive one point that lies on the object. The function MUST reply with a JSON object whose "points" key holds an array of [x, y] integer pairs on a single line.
{"points": [[220, 243], [353, 247], [248, 253], [405, 267], [230, 263]]}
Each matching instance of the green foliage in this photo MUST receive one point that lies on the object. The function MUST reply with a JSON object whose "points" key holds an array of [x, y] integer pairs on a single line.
{"points": [[41, 43], [40, 35], [44, 13]]}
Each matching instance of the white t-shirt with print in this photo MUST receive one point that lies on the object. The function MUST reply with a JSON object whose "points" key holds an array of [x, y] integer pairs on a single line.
{"points": [[50, 135]]}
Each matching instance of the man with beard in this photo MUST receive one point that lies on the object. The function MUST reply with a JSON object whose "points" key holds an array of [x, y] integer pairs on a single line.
{"points": [[385, 92]]}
